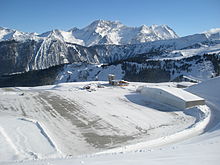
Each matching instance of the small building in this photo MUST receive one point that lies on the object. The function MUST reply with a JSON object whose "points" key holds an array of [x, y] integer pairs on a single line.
{"points": [[175, 97], [112, 81], [119, 83], [110, 78]]}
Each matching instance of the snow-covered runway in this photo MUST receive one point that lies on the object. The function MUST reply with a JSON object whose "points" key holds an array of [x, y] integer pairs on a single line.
{"points": [[66, 120]]}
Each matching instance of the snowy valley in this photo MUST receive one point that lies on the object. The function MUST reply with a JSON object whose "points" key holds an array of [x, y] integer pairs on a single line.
{"points": [[57, 106]]}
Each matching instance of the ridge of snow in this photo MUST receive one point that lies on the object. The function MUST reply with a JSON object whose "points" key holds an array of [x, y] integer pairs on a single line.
{"points": [[212, 31], [65, 36], [114, 32]]}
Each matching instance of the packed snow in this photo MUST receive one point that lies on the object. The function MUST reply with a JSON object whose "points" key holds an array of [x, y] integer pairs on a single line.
{"points": [[70, 124]]}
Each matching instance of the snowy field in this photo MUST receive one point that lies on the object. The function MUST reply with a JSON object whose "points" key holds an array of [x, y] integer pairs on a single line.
{"points": [[67, 124]]}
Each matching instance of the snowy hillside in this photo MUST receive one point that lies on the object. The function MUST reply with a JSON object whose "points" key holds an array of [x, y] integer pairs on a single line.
{"points": [[66, 120], [195, 68], [35, 55], [159, 49]]}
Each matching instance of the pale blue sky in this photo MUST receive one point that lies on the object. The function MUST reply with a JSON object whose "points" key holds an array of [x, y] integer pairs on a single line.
{"points": [[183, 16]]}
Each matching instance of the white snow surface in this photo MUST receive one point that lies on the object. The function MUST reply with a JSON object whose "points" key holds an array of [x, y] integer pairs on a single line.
{"points": [[175, 137]]}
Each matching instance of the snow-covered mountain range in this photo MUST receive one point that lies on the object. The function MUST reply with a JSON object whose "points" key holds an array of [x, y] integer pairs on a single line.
{"points": [[99, 32], [107, 32]]}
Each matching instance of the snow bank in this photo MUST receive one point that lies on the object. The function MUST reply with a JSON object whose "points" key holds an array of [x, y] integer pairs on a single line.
{"points": [[210, 90], [207, 89]]}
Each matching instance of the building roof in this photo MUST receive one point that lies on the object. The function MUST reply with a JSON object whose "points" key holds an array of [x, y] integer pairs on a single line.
{"points": [[180, 93]]}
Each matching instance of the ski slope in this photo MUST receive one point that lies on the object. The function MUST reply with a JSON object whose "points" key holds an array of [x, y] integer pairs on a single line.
{"points": [[136, 130]]}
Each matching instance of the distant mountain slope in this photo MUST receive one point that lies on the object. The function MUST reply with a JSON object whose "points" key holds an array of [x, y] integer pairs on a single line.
{"points": [[213, 34], [157, 49], [9, 34], [17, 56]]}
